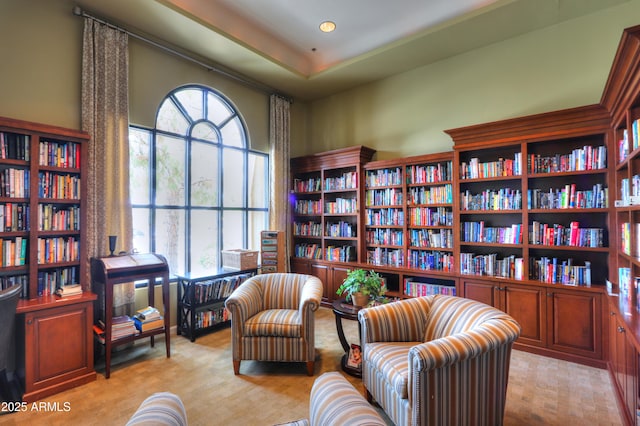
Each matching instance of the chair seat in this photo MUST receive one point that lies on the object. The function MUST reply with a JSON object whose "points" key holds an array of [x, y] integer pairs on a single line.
{"points": [[389, 361], [274, 323]]}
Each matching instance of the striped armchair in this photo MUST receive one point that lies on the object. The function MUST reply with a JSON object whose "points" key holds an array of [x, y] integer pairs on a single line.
{"points": [[272, 319], [437, 360]]}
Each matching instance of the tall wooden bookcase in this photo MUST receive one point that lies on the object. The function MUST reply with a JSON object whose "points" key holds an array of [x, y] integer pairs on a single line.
{"points": [[43, 246], [533, 205], [622, 98]]}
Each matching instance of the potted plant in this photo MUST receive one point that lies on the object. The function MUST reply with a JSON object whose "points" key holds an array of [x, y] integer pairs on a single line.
{"points": [[362, 286]]}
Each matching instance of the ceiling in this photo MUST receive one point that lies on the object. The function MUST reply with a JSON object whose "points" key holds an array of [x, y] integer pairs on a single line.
{"points": [[277, 45]]}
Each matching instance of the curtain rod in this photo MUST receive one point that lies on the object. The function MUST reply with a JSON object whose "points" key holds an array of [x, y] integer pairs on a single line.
{"points": [[77, 10]]}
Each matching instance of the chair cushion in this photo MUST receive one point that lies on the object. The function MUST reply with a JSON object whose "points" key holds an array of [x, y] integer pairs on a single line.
{"points": [[390, 360], [274, 322]]}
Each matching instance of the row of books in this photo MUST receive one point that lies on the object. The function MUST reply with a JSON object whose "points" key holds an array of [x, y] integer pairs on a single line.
{"points": [[561, 235], [58, 249], [478, 232], [431, 238], [383, 217], [50, 280], [560, 271], [584, 158], [341, 229], [385, 236], [418, 289], [14, 217], [15, 183], [491, 199], [210, 317], [383, 197], [475, 169], [59, 154], [14, 146], [623, 144], [430, 260], [430, 216], [385, 257], [341, 206], [490, 265], [433, 173], [309, 251], [431, 195], [7, 281], [206, 291], [348, 180], [308, 229], [344, 253], [629, 190], [307, 185], [308, 207], [383, 177], [568, 198], [630, 238], [13, 252], [59, 186], [58, 218]]}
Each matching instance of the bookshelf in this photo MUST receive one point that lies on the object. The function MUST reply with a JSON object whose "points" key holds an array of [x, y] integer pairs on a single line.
{"points": [[201, 300], [272, 252], [534, 225], [622, 98], [41, 208]]}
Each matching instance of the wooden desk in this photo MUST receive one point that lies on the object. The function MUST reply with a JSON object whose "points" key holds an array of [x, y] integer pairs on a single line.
{"points": [[109, 271]]}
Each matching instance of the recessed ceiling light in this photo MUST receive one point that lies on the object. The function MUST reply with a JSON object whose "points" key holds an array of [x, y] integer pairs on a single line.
{"points": [[327, 26]]}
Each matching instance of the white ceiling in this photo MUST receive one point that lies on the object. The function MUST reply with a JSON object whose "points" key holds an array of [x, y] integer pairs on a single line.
{"points": [[277, 43]]}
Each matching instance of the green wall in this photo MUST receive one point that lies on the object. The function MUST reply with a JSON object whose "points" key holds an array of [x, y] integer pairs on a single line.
{"points": [[558, 67]]}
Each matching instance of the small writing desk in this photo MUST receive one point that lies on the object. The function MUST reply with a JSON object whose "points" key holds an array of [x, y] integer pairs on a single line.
{"points": [[109, 271]]}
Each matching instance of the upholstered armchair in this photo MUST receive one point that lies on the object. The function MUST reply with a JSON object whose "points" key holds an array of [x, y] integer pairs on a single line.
{"points": [[272, 319], [437, 360]]}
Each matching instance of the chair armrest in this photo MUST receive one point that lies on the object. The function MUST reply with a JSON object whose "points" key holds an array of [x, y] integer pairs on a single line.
{"points": [[395, 322], [311, 295], [245, 301]]}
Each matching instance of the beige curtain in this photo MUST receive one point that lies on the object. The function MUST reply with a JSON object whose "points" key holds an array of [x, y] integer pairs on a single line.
{"points": [[280, 207], [105, 116]]}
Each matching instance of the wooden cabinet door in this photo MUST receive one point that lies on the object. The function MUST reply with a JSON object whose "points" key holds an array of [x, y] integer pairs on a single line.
{"points": [[574, 322], [526, 305], [338, 276], [300, 266], [631, 375], [322, 272], [481, 291], [58, 349]]}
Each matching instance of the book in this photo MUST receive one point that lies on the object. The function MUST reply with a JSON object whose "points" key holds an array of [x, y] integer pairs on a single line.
{"points": [[148, 325], [148, 313]]}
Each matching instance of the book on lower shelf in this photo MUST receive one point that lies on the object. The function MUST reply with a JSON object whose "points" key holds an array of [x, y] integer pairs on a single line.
{"points": [[147, 319], [122, 326], [69, 290]]}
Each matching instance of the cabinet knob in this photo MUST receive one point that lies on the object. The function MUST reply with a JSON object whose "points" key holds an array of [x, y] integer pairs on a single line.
{"points": [[29, 322], [620, 329], [613, 314], [549, 294]]}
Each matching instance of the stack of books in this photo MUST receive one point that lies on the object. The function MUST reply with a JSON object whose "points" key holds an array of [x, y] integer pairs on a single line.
{"points": [[69, 290], [122, 326], [147, 319]]}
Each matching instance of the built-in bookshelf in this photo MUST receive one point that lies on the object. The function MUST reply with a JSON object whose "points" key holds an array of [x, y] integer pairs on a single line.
{"points": [[272, 252], [42, 207], [534, 225], [622, 98]]}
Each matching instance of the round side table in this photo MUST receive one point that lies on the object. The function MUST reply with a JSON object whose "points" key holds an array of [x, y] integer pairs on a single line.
{"points": [[344, 310]]}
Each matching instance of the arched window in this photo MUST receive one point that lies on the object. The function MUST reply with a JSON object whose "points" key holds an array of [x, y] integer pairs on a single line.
{"points": [[196, 186]]}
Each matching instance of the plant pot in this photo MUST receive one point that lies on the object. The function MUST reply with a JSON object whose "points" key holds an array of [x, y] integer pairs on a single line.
{"points": [[360, 299]]}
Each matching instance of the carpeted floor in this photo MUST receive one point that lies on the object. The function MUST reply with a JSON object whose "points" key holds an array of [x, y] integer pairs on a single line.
{"points": [[542, 391]]}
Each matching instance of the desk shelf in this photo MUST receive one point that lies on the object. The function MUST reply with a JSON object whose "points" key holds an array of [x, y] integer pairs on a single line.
{"points": [[201, 300]]}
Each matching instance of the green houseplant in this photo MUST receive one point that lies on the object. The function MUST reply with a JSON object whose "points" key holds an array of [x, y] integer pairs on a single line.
{"points": [[360, 286]]}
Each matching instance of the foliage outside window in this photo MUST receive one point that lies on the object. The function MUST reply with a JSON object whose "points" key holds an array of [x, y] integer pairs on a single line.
{"points": [[196, 186]]}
